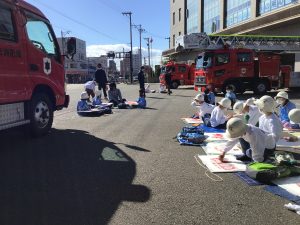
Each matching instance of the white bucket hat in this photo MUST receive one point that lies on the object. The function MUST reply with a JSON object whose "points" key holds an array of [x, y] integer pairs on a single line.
{"points": [[265, 104], [225, 102], [235, 128], [282, 94], [84, 95], [238, 107], [294, 115], [199, 97]]}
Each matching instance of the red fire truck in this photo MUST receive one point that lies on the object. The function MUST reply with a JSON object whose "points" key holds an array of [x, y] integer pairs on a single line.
{"points": [[246, 62], [181, 73], [32, 77]]}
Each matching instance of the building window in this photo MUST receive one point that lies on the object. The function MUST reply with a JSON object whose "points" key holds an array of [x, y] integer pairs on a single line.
{"points": [[179, 34], [237, 11], [266, 6], [173, 40], [211, 16], [192, 22], [179, 14], [173, 18]]}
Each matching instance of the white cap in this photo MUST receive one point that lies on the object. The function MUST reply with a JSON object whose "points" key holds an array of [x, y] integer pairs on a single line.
{"points": [[235, 128], [200, 97], [98, 93], [265, 104], [225, 102], [294, 115], [84, 95], [250, 101], [238, 107], [282, 94]]}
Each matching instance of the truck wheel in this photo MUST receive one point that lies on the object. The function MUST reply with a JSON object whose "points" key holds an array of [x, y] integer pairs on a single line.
{"points": [[260, 87], [41, 114], [174, 85]]}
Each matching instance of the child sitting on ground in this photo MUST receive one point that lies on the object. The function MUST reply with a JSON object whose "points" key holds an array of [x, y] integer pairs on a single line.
{"points": [[114, 95], [260, 142], [285, 106], [294, 116], [83, 105], [218, 118], [230, 94], [148, 90], [204, 108], [250, 112], [97, 99], [141, 100], [211, 98], [269, 123]]}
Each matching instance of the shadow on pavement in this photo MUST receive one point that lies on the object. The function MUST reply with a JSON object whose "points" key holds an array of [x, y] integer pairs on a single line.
{"points": [[66, 177]]}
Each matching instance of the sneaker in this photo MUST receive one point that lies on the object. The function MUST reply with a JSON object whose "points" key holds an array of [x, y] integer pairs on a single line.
{"points": [[243, 158]]}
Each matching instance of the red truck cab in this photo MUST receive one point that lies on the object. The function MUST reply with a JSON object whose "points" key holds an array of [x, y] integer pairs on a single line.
{"points": [[241, 68], [181, 73], [32, 72]]}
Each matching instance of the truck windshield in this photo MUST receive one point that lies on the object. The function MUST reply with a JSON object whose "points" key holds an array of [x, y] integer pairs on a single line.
{"points": [[39, 33], [203, 61]]}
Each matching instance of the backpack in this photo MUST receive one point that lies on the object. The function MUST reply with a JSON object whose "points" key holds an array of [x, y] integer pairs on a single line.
{"points": [[191, 136], [122, 106], [266, 172]]}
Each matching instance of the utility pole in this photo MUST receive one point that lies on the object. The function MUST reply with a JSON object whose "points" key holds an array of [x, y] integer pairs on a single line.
{"points": [[141, 30], [131, 66], [168, 38], [148, 44]]}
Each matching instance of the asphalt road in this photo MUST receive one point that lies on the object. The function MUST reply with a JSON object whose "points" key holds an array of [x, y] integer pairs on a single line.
{"points": [[124, 168]]}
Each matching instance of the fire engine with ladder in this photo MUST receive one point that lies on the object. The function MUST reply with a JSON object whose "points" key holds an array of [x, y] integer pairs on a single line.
{"points": [[246, 62]]}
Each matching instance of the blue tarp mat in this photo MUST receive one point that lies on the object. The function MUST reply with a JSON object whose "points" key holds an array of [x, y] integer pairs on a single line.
{"points": [[211, 129], [283, 193]]}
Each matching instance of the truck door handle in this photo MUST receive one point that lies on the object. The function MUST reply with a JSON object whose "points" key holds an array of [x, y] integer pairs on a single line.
{"points": [[33, 67]]}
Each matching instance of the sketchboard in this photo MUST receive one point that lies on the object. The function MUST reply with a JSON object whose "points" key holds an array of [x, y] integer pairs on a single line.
{"points": [[192, 120], [290, 184], [213, 163], [215, 137], [217, 148]]}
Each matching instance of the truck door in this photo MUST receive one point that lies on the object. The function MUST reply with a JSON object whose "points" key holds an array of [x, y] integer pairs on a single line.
{"points": [[44, 61], [222, 68], [13, 77], [182, 74], [244, 64]]}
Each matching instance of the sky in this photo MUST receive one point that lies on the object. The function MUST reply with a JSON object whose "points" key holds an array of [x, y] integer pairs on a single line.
{"points": [[101, 24]]}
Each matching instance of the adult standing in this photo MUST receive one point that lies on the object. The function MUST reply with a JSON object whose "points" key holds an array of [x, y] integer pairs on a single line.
{"points": [[141, 78], [101, 79], [168, 80]]}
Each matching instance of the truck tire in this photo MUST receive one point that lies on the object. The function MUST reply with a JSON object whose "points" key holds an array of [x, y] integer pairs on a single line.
{"points": [[260, 87], [175, 85], [40, 114]]}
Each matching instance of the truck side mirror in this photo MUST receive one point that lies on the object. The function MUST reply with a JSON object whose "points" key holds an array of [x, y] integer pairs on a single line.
{"points": [[71, 47]]}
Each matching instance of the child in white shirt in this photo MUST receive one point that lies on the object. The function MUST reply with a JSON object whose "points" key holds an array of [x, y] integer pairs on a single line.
{"points": [[218, 118], [204, 108]]}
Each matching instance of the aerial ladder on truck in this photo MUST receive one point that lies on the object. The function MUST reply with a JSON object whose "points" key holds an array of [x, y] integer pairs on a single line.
{"points": [[262, 71]]}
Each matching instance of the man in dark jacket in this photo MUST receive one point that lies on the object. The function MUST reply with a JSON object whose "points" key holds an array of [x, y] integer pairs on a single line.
{"points": [[141, 78], [168, 80], [101, 79]]}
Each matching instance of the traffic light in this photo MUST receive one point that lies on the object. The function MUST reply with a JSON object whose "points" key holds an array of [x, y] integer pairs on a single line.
{"points": [[71, 46], [111, 55]]}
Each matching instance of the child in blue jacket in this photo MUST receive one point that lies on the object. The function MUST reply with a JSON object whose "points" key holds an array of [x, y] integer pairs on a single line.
{"points": [[142, 100]]}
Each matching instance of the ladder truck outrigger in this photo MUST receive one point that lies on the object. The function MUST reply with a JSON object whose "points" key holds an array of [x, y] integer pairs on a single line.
{"points": [[246, 62]]}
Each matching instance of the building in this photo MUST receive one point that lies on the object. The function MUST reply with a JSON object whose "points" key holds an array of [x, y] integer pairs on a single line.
{"points": [[94, 61], [260, 17], [125, 65]]}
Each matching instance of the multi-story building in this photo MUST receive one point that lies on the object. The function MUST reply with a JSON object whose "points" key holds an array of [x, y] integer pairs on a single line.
{"points": [[252, 17], [125, 65]]}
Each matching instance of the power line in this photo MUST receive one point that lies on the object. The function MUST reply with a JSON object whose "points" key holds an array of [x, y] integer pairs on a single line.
{"points": [[78, 22]]}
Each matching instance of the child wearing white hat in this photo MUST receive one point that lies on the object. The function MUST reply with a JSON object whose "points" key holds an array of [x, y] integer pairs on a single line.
{"points": [[261, 143], [252, 112], [285, 106], [294, 116], [83, 105], [218, 118], [204, 108]]}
